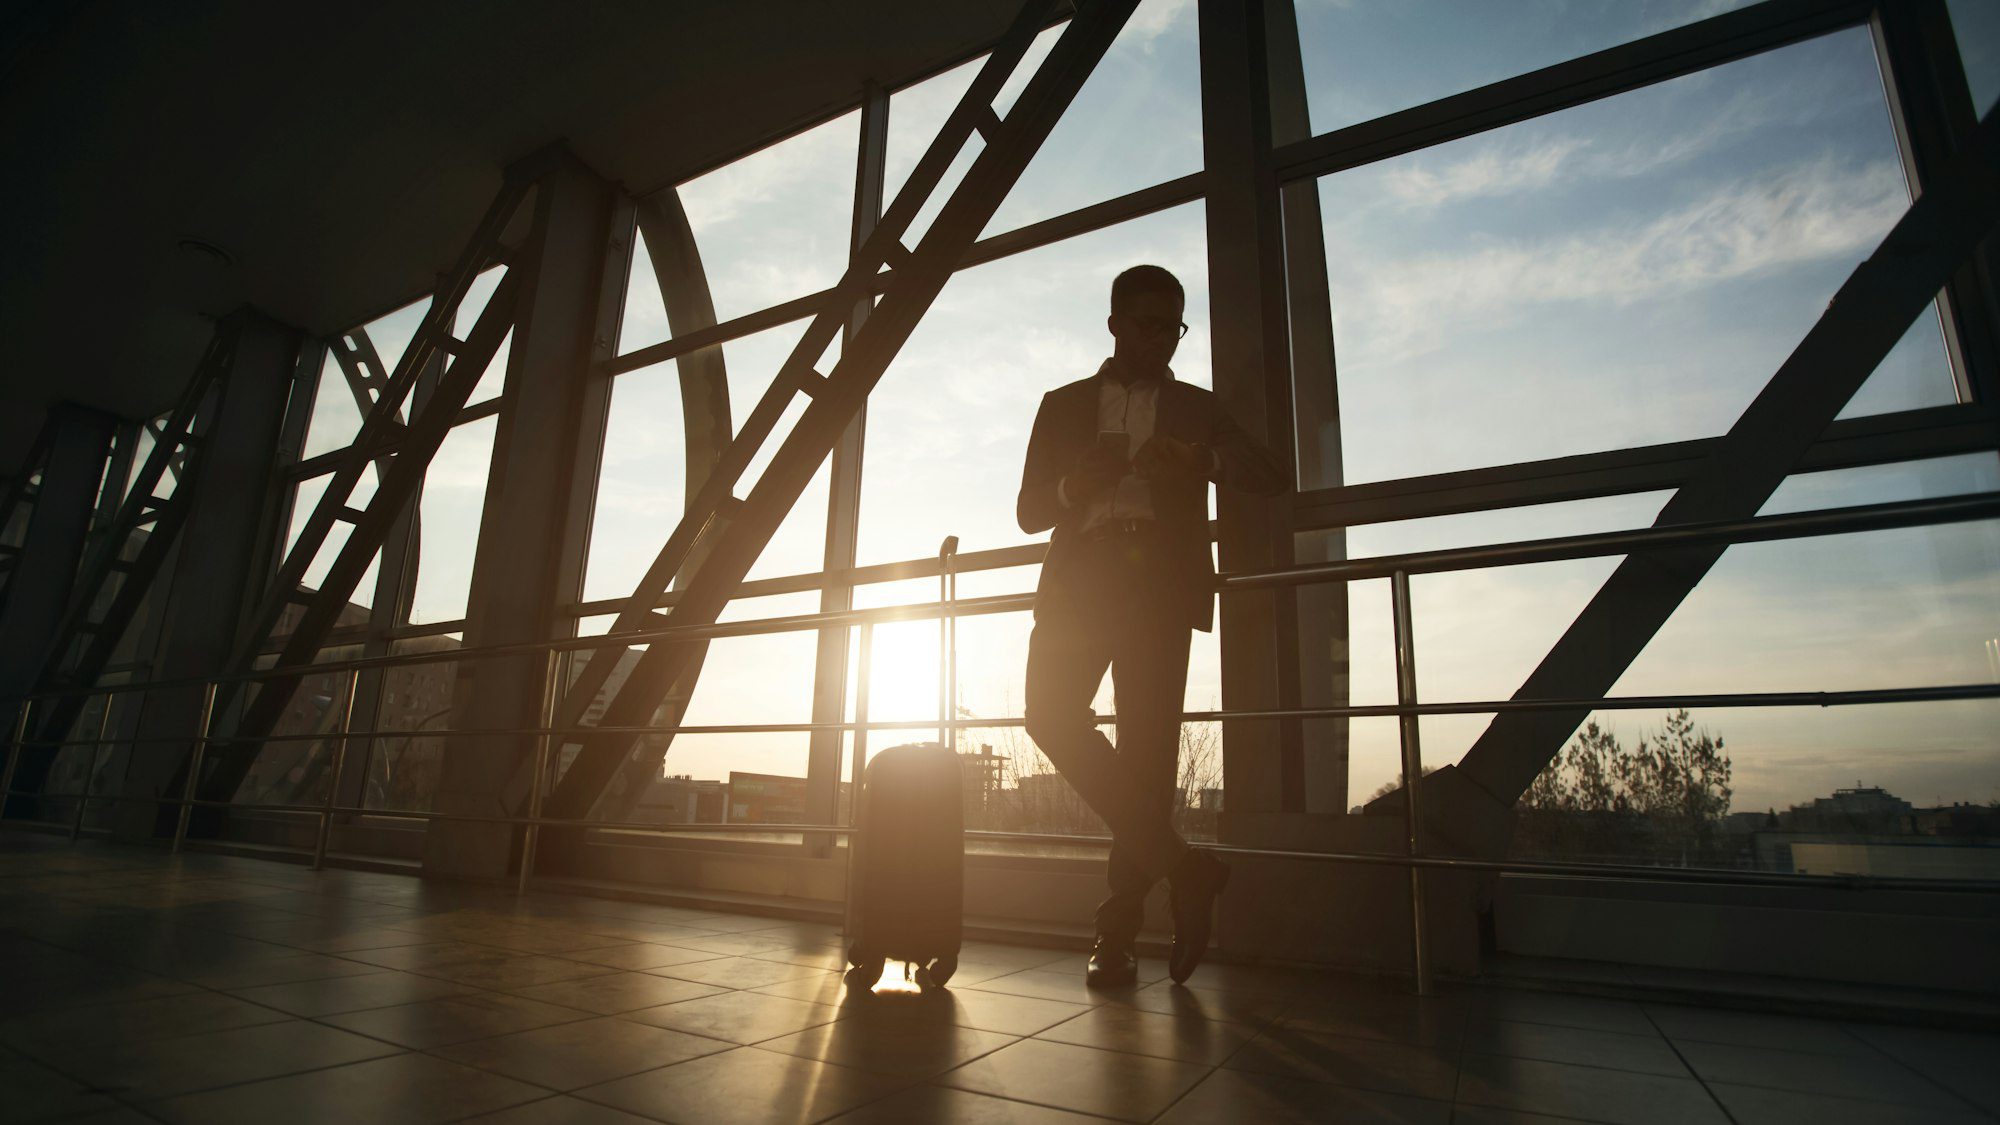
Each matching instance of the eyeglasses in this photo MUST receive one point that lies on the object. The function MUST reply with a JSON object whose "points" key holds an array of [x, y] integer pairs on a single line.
{"points": [[1158, 325]]}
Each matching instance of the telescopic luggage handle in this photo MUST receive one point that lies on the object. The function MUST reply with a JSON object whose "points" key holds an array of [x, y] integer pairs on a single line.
{"points": [[947, 641]]}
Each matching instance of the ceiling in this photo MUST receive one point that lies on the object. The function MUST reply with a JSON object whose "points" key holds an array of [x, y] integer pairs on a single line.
{"points": [[341, 163]]}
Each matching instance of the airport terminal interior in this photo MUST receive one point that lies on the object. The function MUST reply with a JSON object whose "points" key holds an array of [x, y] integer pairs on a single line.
{"points": [[482, 491]]}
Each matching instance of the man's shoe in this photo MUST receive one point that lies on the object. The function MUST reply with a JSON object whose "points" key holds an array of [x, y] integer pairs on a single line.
{"points": [[1112, 965], [1193, 888]]}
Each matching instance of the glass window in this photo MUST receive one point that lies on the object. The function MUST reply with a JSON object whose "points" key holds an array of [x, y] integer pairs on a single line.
{"points": [[304, 500], [642, 477], [775, 224], [403, 770], [336, 419], [1135, 123], [1366, 60], [1627, 272], [948, 424], [494, 379], [447, 529], [1976, 26]]}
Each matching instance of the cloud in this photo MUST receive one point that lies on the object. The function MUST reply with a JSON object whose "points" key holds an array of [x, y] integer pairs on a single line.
{"points": [[1811, 211]]}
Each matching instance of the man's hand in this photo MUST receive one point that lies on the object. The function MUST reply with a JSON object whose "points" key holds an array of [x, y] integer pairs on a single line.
{"points": [[1097, 472], [1163, 457]]}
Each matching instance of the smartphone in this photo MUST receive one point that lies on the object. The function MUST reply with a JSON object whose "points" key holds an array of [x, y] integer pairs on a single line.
{"points": [[1118, 442]]}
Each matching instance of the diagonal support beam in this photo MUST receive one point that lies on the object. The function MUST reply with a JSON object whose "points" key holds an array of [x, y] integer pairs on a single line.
{"points": [[739, 531], [1871, 311]]}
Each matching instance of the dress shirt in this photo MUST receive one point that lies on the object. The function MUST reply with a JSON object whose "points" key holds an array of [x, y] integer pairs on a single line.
{"points": [[1130, 408]]}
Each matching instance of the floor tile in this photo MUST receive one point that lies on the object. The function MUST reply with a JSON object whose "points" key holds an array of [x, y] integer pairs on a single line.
{"points": [[618, 992], [159, 1068], [1368, 1064], [740, 1017], [454, 1019], [1649, 1054], [516, 972], [737, 945], [560, 1110], [940, 1105], [640, 955], [1047, 985], [428, 956], [1562, 1011], [1084, 1079], [1402, 1019], [1181, 1000], [1961, 1062], [570, 1055], [142, 1019], [1877, 1079], [404, 1089], [887, 1047], [1618, 1097], [745, 1086], [1114, 1027], [737, 972], [1754, 1029], [1760, 1105], [1229, 1096], [280, 970], [36, 1093], [380, 989]]}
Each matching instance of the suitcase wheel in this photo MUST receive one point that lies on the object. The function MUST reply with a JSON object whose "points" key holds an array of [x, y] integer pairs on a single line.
{"points": [[937, 972], [866, 971]]}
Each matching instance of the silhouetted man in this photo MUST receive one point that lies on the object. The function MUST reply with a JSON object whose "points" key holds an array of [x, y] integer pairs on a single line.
{"points": [[1119, 465]]}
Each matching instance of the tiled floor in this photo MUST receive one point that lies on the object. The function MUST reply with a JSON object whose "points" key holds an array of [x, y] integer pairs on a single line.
{"points": [[139, 986]]}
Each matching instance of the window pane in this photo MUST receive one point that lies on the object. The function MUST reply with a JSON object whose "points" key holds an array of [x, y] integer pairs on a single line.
{"points": [[1135, 123], [1366, 60], [447, 534], [403, 770], [1976, 26], [774, 225], [641, 481], [948, 424], [1628, 272]]}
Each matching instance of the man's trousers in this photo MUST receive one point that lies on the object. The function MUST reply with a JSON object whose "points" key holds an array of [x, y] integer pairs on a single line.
{"points": [[1114, 615]]}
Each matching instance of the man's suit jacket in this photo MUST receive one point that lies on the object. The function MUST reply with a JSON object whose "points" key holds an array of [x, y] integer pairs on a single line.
{"points": [[1066, 427]]}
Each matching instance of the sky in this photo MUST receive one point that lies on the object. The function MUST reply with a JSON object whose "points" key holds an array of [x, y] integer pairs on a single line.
{"points": [[1625, 272]]}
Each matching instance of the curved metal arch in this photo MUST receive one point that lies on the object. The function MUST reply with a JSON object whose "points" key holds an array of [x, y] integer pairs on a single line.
{"points": [[707, 427]]}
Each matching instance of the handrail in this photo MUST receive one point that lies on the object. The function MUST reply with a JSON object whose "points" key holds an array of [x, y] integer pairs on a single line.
{"points": [[1397, 568], [1791, 525]]}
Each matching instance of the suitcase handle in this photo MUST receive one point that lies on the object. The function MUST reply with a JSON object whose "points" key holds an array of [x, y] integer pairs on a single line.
{"points": [[947, 642]]}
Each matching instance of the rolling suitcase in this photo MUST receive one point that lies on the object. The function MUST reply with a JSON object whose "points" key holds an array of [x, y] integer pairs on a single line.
{"points": [[906, 859]]}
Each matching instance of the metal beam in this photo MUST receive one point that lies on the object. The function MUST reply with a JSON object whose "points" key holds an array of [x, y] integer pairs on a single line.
{"points": [[740, 529], [1629, 66]]}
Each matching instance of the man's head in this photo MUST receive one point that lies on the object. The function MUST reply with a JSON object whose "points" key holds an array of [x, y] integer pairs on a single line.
{"points": [[1147, 303]]}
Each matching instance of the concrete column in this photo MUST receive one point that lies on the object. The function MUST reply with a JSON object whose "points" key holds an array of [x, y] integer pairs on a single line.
{"points": [[522, 534], [219, 560], [1248, 332]]}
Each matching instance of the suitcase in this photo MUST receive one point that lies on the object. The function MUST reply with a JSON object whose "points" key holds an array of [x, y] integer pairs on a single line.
{"points": [[906, 858]]}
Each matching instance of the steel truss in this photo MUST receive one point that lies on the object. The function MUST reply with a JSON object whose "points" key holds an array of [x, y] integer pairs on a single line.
{"points": [[135, 543], [401, 452], [732, 531], [19, 499]]}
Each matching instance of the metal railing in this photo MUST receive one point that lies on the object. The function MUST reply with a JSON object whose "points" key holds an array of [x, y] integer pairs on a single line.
{"points": [[1407, 709]]}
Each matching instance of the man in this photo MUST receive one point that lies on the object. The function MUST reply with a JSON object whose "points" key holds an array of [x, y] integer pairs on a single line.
{"points": [[1119, 465]]}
